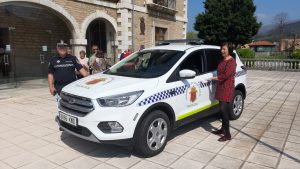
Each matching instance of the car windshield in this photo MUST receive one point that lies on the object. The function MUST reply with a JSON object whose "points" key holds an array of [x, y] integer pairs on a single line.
{"points": [[146, 64]]}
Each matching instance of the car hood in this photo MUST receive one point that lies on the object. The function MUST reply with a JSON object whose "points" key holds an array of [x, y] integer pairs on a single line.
{"points": [[101, 85]]}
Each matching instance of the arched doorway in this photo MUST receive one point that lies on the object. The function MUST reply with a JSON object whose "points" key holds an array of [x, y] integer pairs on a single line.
{"points": [[100, 29], [96, 35], [29, 33]]}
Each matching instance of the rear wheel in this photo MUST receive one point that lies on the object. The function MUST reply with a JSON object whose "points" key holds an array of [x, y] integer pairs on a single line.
{"points": [[152, 134], [237, 105]]}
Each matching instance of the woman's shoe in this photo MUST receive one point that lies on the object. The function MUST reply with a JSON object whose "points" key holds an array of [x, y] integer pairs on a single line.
{"points": [[225, 138], [218, 132]]}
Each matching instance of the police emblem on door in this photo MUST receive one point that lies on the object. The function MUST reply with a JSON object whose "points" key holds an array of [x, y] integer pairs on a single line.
{"points": [[192, 93]]}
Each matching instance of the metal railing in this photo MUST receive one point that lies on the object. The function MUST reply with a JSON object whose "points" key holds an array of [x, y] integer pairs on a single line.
{"points": [[272, 64], [166, 3]]}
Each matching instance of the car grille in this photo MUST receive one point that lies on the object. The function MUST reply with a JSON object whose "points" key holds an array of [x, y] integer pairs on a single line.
{"points": [[78, 104], [78, 130]]}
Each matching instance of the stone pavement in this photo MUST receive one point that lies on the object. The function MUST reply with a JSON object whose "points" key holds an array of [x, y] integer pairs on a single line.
{"points": [[267, 135]]}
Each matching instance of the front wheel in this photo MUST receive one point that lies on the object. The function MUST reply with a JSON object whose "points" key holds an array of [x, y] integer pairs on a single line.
{"points": [[237, 105], [152, 134]]}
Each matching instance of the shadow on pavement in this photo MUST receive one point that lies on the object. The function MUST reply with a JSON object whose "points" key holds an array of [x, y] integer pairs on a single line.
{"points": [[269, 146], [104, 151]]}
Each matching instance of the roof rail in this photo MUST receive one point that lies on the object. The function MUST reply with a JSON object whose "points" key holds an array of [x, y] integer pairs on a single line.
{"points": [[181, 41]]}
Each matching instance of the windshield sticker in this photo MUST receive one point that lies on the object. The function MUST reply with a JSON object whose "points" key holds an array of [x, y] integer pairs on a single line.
{"points": [[100, 80]]}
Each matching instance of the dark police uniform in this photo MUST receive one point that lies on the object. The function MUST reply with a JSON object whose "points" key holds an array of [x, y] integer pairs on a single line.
{"points": [[63, 70]]}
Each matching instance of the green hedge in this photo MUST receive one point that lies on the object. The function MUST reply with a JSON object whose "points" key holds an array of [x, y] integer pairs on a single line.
{"points": [[246, 53], [296, 54]]}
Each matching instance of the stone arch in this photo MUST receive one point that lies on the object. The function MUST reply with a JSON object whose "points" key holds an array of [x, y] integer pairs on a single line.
{"points": [[70, 20], [96, 15]]}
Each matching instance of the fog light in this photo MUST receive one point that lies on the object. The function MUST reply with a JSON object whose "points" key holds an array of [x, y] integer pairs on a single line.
{"points": [[110, 127]]}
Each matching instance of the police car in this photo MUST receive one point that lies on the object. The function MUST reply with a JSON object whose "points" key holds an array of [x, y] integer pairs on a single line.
{"points": [[141, 99]]}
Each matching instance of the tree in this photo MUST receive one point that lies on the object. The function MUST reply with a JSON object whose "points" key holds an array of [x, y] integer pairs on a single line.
{"points": [[230, 20], [191, 35], [280, 21]]}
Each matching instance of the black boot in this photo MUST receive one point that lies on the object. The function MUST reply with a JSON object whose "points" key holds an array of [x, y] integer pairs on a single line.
{"points": [[226, 137], [218, 132]]}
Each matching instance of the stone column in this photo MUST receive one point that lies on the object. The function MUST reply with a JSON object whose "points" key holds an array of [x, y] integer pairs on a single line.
{"points": [[78, 45]]}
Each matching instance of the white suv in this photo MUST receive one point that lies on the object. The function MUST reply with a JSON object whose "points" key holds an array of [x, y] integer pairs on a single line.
{"points": [[141, 99]]}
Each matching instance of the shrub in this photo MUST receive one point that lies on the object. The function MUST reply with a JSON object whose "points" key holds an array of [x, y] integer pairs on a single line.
{"points": [[246, 53], [296, 54]]}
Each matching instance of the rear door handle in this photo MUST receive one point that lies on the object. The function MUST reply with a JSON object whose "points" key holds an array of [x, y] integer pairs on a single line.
{"points": [[244, 68]]}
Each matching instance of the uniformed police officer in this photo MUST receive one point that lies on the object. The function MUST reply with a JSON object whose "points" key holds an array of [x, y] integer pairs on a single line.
{"points": [[61, 69]]}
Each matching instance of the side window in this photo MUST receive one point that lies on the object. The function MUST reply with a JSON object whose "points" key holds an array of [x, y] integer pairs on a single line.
{"points": [[194, 62], [213, 58]]}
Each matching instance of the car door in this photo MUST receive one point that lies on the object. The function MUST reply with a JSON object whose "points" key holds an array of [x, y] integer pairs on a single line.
{"points": [[212, 59], [195, 96]]}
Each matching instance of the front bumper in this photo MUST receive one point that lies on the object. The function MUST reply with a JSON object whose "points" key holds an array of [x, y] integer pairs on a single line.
{"points": [[85, 134], [87, 127]]}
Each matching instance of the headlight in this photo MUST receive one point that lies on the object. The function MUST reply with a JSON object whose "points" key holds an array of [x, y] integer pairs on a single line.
{"points": [[119, 100]]}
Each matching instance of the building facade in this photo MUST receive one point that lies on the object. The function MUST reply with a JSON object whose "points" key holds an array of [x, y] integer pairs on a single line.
{"points": [[290, 44], [30, 29]]}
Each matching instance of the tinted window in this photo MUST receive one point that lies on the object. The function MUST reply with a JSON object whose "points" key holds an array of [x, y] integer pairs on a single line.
{"points": [[194, 62], [213, 58]]}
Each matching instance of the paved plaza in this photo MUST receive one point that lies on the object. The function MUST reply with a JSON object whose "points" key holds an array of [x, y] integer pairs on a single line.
{"points": [[267, 135]]}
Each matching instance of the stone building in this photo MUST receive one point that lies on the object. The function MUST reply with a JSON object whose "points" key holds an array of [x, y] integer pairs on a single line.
{"points": [[290, 44], [31, 29]]}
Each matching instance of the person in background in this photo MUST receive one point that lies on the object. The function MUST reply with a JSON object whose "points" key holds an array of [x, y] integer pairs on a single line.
{"points": [[92, 57], [84, 62], [127, 53], [61, 70], [122, 56], [99, 64], [225, 88], [142, 47]]}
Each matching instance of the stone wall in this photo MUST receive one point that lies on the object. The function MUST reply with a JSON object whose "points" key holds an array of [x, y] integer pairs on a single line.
{"points": [[69, 19], [174, 30], [33, 30]]}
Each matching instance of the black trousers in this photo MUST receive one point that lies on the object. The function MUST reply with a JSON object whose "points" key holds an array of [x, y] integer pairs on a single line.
{"points": [[225, 110]]}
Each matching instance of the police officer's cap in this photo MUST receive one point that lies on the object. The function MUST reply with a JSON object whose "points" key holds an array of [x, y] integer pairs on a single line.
{"points": [[61, 44]]}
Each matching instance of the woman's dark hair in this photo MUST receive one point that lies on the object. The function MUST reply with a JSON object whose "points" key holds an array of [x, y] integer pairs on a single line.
{"points": [[230, 47]]}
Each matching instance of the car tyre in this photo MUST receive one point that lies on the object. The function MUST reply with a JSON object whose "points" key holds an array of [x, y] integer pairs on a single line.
{"points": [[237, 105], [152, 134]]}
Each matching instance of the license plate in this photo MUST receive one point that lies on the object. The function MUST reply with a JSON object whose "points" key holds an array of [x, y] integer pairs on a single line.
{"points": [[68, 119]]}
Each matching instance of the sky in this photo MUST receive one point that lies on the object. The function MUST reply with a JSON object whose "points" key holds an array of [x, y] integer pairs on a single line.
{"points": [[265, 10]]}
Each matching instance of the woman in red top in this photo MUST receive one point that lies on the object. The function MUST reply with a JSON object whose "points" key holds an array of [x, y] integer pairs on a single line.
{"points": [[225, 88]]}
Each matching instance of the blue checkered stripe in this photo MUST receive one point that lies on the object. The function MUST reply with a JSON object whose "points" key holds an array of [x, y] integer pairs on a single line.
{"points": [[163, 95], [204, 84], [240, 73]]}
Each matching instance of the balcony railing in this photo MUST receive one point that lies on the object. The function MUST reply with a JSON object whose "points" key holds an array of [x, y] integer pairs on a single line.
{"points": [[272, 64], [168, 6], [166, 3]]}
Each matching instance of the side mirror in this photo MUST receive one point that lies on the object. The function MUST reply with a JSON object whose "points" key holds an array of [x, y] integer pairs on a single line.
{"points": [[187, 74]]}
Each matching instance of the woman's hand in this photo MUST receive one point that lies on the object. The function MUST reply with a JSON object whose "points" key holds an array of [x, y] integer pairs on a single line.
{"points": [[212, 78], [52, 91]]}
